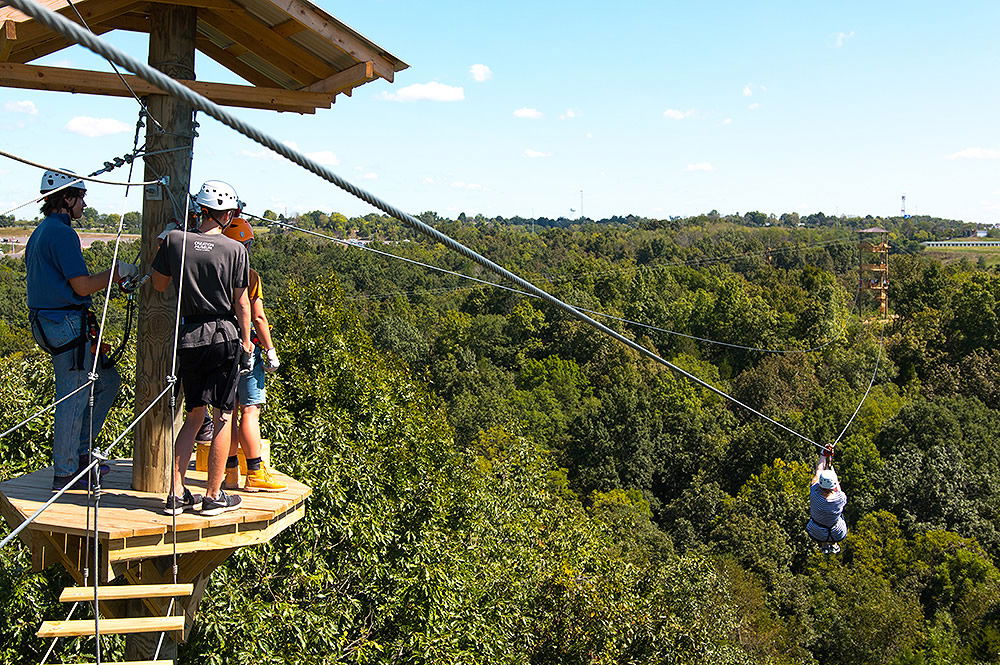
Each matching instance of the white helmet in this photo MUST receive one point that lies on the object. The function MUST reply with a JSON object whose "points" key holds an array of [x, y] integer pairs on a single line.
{"points": [[217, 195], [54, 180], [828, 479]]}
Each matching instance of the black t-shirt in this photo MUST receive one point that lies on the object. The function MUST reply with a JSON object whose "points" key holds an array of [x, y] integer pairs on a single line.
{"points": [[214, 266]]}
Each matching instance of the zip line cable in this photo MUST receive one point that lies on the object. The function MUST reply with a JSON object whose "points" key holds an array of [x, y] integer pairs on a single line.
{"points": [[44, 409], [878, 358], [76, 33], [142, 104], [708, 260], [16, 158], [530, 295]]}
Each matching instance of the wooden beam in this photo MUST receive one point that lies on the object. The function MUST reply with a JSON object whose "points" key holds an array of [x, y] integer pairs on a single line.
{"points": [[131, 22], [35, 40], [345, 80], [323, 24], [256, 35], [288, 28], [229, 58], [8, 33], [36, 77]]}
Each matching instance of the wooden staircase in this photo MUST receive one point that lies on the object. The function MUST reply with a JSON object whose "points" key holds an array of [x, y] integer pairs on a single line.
{"points": [[85, 627]]}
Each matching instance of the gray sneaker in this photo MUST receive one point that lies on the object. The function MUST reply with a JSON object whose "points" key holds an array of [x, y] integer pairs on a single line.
{"points": [[175, 505], [223, 504]]}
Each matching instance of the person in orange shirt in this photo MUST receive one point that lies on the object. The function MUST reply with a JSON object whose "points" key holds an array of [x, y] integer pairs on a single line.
{"points": [[251, 391]]}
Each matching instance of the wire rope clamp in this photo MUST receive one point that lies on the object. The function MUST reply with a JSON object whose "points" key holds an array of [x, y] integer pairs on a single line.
{"points": [[171, 379]]}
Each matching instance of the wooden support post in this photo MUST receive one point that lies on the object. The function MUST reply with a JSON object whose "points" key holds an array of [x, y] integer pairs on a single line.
{"points": [[171, 50]]}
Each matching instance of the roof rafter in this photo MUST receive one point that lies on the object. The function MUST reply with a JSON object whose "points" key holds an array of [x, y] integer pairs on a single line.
{"points": [[345, 80], [310, 17]]}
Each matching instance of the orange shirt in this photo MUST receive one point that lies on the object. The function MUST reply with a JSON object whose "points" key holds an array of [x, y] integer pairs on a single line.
{"points": [[254, 289]]}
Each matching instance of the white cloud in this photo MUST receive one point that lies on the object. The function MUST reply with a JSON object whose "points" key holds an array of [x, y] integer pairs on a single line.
{"points": [[428, 181], [700, 166], [481, 73], [525, 112], [95, 127], [324, 157], [570, 114], [534, 154], [840, 38], [458, 184], [588, 135], [369, 176], [21, 107], [675, 114], [975, 153], [754, 106], [727, 121], [747, 91], [432, 92]]}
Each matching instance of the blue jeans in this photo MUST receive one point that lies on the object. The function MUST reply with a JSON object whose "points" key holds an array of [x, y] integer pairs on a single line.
{"points": [[71, 437]]}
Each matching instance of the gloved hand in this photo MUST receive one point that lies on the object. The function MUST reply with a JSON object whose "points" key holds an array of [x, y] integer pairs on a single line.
{"points": [[127, 271], [246, 361], [271, 362]]}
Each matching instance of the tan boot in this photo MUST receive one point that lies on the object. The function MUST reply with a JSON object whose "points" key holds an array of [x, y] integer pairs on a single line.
{"points": [[261, 480], [232, 479]]}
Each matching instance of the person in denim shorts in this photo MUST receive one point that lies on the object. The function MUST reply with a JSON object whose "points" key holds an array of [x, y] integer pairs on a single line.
{"points": [[251, 392], [58, 293]]}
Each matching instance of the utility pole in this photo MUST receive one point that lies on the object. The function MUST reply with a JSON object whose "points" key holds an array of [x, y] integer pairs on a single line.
{"points": [[581, 204], [171, 50]]}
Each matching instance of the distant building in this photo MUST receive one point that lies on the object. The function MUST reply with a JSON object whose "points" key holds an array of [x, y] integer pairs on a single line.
{"points": [[981, 233]]}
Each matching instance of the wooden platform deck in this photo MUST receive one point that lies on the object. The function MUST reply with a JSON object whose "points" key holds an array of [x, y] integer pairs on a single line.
{"points": [[132, 525]]}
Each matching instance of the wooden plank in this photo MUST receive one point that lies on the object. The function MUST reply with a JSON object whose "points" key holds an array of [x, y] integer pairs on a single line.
{"points": [[288, 28], [214, 542], [125, 592], [32, 33], [347, 79], [132, 22], [8, 33], [229, 58], [81, 627], [35, 77], [135, 662], [338, 35], [255, 35]]}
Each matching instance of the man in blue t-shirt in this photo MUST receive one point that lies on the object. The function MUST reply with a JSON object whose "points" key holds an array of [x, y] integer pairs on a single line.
{"points": [[827, 501], [59, 290]]}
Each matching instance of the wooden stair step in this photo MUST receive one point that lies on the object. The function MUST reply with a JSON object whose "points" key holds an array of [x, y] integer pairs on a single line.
{"points": [[81, 627], [79, 594], [134, 662]]}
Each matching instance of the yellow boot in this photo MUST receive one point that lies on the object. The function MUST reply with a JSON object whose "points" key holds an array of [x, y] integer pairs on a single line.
{"points": [[261, 480], [232, 479]]}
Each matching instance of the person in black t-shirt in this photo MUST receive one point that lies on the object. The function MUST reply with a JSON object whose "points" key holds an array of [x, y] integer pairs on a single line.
{"points": [[211, 273]]}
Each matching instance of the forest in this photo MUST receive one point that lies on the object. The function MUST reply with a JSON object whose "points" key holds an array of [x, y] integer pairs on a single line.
{"points": [[495, 482]]}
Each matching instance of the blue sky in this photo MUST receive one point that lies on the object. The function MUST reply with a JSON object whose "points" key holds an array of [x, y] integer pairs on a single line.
{"points": [[648, 107]]}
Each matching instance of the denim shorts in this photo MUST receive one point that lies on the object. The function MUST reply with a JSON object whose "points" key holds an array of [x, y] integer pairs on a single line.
{"points": [[251, 390]]}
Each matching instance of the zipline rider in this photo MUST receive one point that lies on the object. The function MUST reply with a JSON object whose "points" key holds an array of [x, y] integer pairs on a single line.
{"points": [[213, 343], [59, 290], [827, 501]]}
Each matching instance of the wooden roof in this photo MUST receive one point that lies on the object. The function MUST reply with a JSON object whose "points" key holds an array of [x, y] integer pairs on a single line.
{"points": [[295, 56]]}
